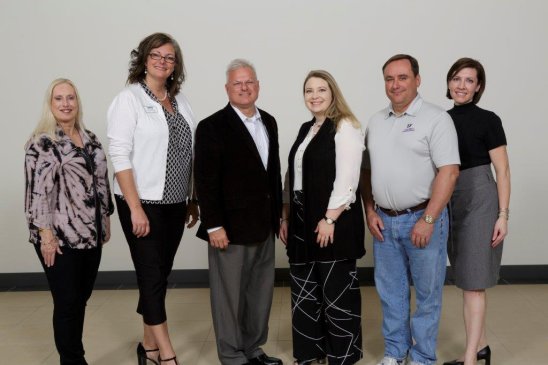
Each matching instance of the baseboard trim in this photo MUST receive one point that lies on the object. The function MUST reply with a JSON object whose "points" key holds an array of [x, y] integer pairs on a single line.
{"points": [[509, 274]]}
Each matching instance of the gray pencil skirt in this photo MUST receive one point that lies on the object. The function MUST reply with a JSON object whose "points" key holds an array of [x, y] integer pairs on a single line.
{"points": [[474, 209]]}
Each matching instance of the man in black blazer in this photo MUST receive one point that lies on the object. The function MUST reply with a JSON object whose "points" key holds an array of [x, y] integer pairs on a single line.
{"points": [[237, 176]]}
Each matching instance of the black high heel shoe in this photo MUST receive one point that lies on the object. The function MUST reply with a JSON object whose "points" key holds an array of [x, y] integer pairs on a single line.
{"points": [[142, 357], [174, 358], [483, 354]]}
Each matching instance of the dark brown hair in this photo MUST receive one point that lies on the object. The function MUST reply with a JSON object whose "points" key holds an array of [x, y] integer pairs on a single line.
{"points": [[411, 59], [139, 56], [466, 62]]}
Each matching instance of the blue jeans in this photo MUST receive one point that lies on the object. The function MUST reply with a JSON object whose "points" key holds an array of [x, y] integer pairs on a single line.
{"points": [[397, 263]]}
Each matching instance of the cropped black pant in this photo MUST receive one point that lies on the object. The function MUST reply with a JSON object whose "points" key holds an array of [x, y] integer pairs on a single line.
{"points": [[153, 255], [71, 281]]}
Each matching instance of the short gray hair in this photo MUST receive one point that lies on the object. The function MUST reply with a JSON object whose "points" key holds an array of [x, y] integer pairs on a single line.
{"points": [[239, 63]]}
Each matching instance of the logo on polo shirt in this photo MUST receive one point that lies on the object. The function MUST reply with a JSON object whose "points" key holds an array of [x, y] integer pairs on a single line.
{"points": [[409, 128]]}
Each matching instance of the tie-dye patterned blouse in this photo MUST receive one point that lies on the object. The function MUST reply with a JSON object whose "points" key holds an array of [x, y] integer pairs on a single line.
{"points": [[67, 189]]}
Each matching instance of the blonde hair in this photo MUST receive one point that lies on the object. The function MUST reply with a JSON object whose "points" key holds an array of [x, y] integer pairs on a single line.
{"points": [[339, 109], [48, 124]]}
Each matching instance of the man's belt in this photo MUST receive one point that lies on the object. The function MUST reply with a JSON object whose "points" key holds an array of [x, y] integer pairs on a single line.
{"points": [[395, 213]]}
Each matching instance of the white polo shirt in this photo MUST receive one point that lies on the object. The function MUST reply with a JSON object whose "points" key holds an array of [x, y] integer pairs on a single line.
{"points": [[406, 151]]}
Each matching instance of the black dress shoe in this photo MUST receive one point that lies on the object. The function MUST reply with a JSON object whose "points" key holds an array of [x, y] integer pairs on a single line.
{"points": [[483, 354], [265, 360]]}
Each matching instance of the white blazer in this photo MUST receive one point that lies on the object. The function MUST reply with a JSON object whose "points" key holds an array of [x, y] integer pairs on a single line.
{"points": [[138, 137]]}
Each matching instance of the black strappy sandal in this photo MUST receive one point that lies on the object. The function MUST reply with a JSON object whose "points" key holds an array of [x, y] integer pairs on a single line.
{"points": [[174, 358], [142, 357]]}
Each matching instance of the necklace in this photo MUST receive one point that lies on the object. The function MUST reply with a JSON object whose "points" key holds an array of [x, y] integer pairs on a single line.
{"points": [[316, 127], [150, 89], [164, 98]]}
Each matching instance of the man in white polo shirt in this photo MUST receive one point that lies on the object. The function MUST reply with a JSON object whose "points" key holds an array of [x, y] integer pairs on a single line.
{"points": [[410, 169]]}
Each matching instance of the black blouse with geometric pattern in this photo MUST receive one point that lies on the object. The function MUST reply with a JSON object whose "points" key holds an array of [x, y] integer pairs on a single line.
{"points": [[179, 155]]}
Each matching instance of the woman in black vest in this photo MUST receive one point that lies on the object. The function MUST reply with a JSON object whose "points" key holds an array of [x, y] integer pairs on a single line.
{"points": [[323, 228]]}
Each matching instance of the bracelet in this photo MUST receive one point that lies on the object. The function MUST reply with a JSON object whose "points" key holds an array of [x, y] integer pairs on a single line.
{"points": [[504, 215], [284, 220], [49, 243]]}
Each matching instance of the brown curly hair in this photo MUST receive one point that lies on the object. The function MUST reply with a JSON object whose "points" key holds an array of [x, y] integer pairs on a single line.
{"points": [[139, 56]]}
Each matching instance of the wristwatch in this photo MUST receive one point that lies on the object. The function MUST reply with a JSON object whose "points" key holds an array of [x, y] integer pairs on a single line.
{"points": [[329, 220], [428, 218]]}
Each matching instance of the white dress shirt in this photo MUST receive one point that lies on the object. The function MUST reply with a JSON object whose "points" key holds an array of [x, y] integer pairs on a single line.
{"points": [[256, 128]]}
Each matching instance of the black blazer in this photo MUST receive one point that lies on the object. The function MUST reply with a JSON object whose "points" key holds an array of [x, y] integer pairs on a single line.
{"points": [[234, 189]]}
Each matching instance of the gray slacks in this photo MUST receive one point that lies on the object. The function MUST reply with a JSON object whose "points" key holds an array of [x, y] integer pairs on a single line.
{"points": [[241, 280]]}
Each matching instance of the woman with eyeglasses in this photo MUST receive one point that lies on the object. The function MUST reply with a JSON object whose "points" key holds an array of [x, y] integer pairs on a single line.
{"points": [[151, 133]]}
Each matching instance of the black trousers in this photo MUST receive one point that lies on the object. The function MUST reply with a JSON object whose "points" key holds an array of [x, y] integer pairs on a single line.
{"points": [[71, 281], [153, 255], [326, 311]]}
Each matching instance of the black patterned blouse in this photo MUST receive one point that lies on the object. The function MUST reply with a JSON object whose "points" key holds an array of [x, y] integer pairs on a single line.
{"points": [[179, 155]]}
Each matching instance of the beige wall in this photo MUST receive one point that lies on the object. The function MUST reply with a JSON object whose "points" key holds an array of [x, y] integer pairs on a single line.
{"points": [[90, 41]]}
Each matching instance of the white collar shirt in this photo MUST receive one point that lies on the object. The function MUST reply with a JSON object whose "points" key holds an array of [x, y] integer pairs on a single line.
{"points": [[257, 130]]}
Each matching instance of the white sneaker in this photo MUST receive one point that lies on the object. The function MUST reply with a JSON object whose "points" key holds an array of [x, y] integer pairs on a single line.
{"points": [[391, 361]]}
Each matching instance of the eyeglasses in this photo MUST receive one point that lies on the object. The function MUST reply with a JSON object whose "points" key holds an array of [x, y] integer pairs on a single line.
{"points": [[158, 57], [240, 84]]}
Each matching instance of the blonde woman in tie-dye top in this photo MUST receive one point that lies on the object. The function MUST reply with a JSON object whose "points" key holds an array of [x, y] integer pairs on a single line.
{"points": [[67, 206]]}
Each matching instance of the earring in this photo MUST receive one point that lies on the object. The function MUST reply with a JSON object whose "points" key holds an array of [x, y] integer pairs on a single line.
{"points": [[145, 71], [171, 77]]}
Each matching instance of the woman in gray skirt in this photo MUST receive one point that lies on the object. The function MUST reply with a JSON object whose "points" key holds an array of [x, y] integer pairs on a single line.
{"points": [[479, 205]]}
